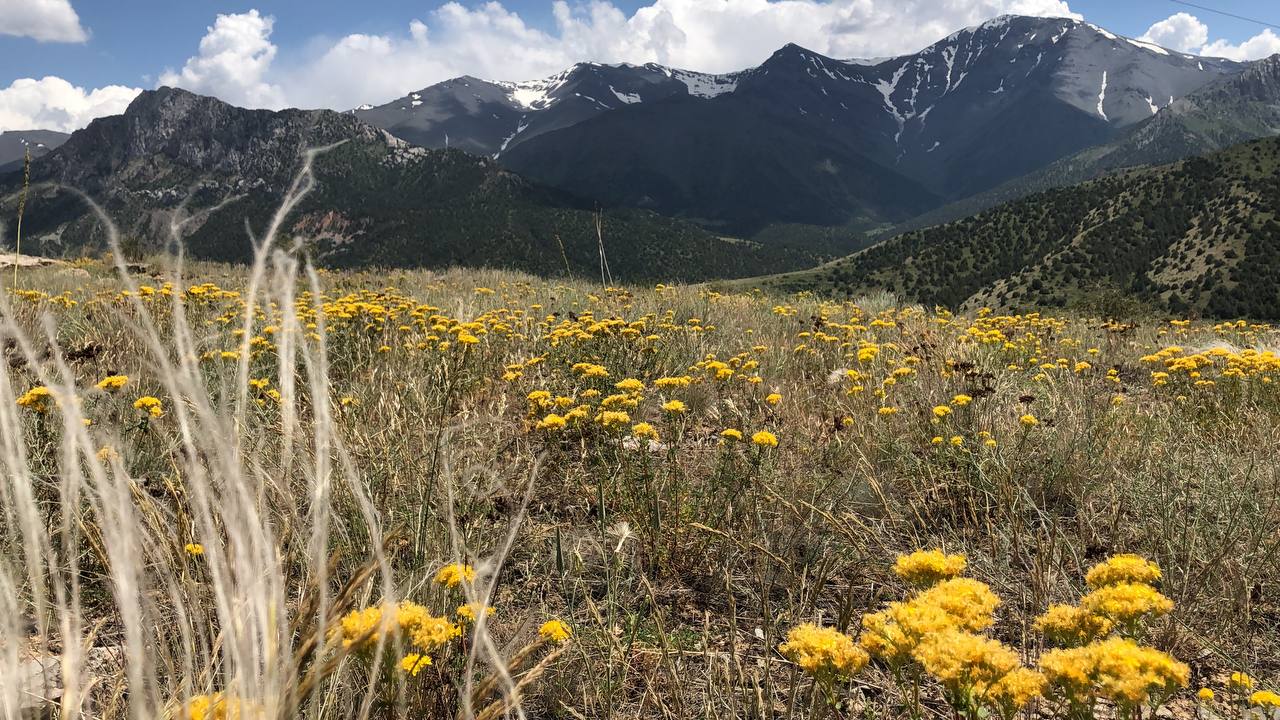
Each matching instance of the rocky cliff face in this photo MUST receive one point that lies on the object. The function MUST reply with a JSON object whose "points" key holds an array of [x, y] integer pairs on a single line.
{"points": [[170, 135], [376, 201]]}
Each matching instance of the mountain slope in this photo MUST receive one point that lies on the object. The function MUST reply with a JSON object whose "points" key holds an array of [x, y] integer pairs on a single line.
{"points": [[1224, 113], [489, 118], [730, 164], [978, 108], [377, 200], [1202, 234], [14, 144]]}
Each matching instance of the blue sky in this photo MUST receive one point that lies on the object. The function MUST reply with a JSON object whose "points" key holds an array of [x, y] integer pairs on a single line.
{"points": [[339, 53]]}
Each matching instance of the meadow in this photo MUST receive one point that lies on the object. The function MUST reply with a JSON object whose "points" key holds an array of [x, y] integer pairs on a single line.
{"points": [[271, 492]]}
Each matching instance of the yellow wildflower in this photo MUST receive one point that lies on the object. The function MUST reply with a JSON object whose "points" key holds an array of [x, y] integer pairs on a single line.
{"points": [[455, 574], [1071, 626], [644, 431], [924, 568], [470, 611], [112, 383], [555, 630], [1126, 602], [414, 662], [551, 422], [149, 405], [764, 438], [1240, 681], [36, 399], [1125, 568], [823, 652], [1265, 699]]}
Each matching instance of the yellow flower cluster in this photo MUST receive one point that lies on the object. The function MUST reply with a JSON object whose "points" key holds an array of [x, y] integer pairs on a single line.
{"points": [[555, 631], [1265, 699], [111, 383], [1117, 669], [36, 399], [764, 438], [1071, 626], [220, 706], [471, 611], [364, 628], [939, 629], [1095, 664], [1205, 368], [1125, 603], [1126, 568], [824, 653], [455, 574], [923, 568], [149, 406]]}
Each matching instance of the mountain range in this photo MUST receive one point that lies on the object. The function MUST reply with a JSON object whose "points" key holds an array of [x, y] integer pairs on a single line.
{"points": [[692, 176], [377, 200], [808, 139]]}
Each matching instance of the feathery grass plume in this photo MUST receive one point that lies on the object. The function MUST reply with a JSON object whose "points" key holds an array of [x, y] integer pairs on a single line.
{"points": [[218, 588], [22, 209]]}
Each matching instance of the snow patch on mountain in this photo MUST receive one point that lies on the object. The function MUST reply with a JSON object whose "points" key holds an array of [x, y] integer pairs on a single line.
{"points": [[886, 88], [627, 98], [704, 85], [1148, 46], [535, 94], [524, 124], [1102, 96], [1104, 33]]}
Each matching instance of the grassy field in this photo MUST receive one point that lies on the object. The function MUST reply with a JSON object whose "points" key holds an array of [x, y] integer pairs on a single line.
{"points": [[253, 493]]}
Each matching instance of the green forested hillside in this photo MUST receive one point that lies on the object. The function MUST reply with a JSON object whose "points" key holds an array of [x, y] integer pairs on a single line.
{"points": [[376, 200], [1200, 235]]}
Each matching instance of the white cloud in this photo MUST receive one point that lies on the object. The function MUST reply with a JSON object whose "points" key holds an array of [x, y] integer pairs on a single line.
{"points": [[234, 57], [1186, 33], [1181, 31], [43, 20], [1264, 44], [52, 103], [490, 41]]}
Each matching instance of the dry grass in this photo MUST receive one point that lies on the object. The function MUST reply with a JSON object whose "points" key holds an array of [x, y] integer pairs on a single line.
{"points": [[394, 447]]}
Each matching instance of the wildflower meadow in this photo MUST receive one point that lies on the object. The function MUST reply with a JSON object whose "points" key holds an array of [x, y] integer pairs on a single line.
{"points": [[277, 492]]}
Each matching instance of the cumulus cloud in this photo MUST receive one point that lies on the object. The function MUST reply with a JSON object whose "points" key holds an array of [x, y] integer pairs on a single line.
{"points": [[1186, 33], [43, 20], [232, 63], [491, 41], [1264, 44], [52, 103], [1181, 31]]}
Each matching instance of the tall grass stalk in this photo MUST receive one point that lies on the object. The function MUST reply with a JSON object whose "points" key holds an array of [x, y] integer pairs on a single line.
{"points": [[270, 507], [22, 208]]}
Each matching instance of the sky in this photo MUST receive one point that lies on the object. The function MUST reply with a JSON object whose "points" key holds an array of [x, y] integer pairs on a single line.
{"points": [[65, 62]]}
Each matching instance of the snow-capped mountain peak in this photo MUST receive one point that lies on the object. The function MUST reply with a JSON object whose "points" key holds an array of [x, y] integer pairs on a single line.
{"points": [[1071, 80]]}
